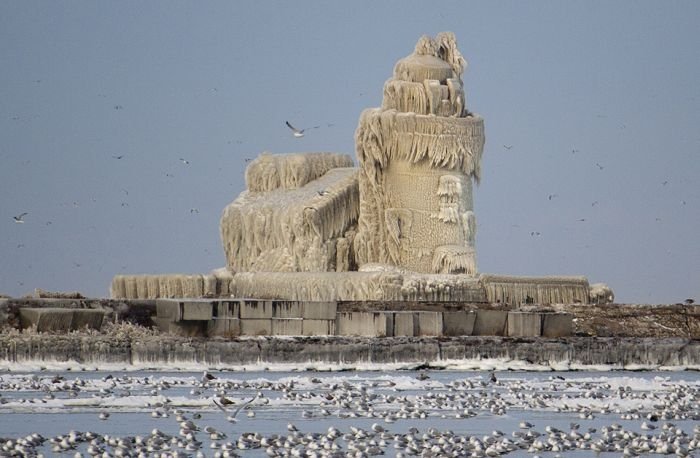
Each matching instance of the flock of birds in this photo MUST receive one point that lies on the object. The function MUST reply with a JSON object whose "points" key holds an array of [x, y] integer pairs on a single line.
{"points": [[297, 133], [552, 196], [380, 416], [20, 218]]}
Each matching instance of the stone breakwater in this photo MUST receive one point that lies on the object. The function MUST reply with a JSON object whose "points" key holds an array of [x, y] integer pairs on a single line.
{"points": [[604, 320], [611, 335], [156, 351]]}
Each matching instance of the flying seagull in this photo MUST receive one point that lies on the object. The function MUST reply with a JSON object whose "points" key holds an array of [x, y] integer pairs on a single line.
{"points": [[507, 146], [19, 218], [118, 157], [184, 161], [298, 133], [232, 417]]}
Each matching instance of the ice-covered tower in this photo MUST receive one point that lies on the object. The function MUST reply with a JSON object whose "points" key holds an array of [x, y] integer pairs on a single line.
{"points": [[418, 155]]}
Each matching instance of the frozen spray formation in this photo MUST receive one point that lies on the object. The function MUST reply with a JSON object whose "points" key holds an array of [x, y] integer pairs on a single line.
{"points": [[411, 196], [418, 154], [399, 227]]}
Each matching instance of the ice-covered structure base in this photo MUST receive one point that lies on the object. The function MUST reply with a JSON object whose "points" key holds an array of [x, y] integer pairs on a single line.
{"points": [[387, 285], [400, 226]]}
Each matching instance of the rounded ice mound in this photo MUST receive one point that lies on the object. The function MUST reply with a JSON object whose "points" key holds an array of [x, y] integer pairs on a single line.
{"points": [[600, 293]]}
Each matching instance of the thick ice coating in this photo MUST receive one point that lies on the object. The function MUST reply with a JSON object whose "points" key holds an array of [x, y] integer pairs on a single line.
{"points": [[418, 154]]}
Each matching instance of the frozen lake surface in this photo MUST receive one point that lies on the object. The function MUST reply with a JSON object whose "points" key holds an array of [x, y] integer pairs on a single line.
{"points": [[349, 413]]}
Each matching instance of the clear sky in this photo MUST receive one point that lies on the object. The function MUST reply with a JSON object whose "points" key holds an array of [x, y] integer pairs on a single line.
{"points": [[592, 114]]}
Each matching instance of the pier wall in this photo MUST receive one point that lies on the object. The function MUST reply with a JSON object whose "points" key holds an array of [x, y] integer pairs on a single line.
{"points": [[231, 318], [155, 351]]}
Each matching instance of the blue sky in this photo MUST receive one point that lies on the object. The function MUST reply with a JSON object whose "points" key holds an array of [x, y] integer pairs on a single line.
{"points": [[597, 102]]}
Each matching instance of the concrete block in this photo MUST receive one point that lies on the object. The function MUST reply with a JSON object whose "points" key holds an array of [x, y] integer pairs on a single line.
{"points": [[427, 323], [255, 309], [87, 319], [404, 324], [224, 327], [557, 325], [320, 310], [318, 327], [490, 323], [389, 324], [459, 323], [524, 324], [182, 328], [46, 319], [371, 324], [169, 309], [286, 326], [256, 327], [227, 309], [287, 309], [197, 310]]}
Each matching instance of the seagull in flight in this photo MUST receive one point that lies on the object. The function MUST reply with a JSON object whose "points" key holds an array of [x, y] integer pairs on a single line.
{"points": [[118, 157], [232, 418], [184, 161], [19, 219], [298, 133], [508, 146]]}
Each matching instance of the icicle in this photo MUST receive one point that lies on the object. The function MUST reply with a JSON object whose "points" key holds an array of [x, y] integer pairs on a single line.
{"points": [[450, 186], [118, 288], [291, 229], [405, 96], [425, 46], [457, 97], [469, 226], [432, 89], [454, 259], [290, 171], [538, 290], [446, 44]]}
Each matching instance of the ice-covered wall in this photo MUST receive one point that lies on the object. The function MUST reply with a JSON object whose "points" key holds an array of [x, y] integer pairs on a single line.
{"points": [[298, 214], [215, 284], [379, 285], [508, 289], [418, 154]]}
